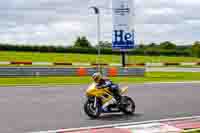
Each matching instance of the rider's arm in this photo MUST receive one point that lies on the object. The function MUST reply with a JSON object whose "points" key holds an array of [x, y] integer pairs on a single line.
{"points": [[106, 84]]}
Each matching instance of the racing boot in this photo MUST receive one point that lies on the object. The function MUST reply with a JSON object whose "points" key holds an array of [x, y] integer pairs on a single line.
{"points": [[117, 95], [105, 105]]}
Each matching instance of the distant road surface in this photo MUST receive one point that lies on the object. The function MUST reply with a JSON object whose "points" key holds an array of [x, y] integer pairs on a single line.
{"points": [[172, 69]]}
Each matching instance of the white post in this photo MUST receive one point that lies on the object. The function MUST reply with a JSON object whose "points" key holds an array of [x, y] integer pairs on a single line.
{"points": [[98, 40], [97, 12]]}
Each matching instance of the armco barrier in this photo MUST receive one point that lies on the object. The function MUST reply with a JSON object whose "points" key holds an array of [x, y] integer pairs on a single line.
{"points": [[95, 64], [134, 65], [42, 63], [48, 71], [33, 71], [171, 64], [188, 64], [131, 71], [62, 63], [5, 63], [78, 64], [154, 64], [20, 63]]}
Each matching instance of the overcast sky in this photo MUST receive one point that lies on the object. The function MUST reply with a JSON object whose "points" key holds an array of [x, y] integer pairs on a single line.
{"points": [[61, 21]]}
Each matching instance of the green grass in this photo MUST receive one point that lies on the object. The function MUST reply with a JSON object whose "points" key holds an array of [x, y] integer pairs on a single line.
{"points": [[196, 131], [149, 77], [59, 57]]}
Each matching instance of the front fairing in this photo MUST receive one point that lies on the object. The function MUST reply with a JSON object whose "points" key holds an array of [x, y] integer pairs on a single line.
{"points": [[95, 92], [91, 89]]}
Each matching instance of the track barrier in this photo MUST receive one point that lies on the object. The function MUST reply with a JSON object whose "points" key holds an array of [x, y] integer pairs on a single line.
{"points": [[148, 64], [81, 71], [69, 71], [62, 63], [77, 64], [20, 63], [112, 71]]}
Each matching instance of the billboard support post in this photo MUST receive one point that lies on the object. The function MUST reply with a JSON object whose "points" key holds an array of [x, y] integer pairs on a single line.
{"points": [[123, 53]]}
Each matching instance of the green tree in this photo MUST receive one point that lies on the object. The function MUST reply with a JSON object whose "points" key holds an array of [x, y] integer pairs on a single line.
{"points": [[152, 45], [105, 44], [196, 49], [167, 45], [141, 46], [82, 42]]}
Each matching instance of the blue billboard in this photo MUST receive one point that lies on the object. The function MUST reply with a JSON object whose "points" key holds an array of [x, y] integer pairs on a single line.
{"points": [[123, 40]]}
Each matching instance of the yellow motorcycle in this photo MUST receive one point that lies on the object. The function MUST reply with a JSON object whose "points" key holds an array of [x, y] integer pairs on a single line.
{"points": [[97, 99]]}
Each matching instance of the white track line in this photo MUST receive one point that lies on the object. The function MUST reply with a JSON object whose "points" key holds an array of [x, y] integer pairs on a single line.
{"points": [[181, 82], [117, 125]]}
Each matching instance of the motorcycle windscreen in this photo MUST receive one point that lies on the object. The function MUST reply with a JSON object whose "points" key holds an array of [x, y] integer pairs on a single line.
{"points": [[123, 90]]}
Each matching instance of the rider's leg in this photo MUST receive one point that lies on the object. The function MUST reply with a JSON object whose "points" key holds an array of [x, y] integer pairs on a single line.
{"points": [[115, 90]]}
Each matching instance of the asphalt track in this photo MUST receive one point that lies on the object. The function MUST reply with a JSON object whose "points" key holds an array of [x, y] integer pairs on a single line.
{"points": [[27, 109]]}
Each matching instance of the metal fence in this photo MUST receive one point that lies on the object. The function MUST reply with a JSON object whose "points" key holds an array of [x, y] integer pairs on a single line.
{"points": [[48, 71]]}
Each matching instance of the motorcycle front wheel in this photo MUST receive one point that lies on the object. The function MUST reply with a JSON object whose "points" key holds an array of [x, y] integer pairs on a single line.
{"points": [[91, 110]]}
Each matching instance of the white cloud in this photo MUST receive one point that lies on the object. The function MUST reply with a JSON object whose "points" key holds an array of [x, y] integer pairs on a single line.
{"points": [[61, 21]]}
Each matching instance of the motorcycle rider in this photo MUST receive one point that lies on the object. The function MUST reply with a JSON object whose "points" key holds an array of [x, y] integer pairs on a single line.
{"points": [[106, 83]]}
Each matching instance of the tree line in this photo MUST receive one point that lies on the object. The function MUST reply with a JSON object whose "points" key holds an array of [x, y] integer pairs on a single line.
{"points": [[82, 45]]}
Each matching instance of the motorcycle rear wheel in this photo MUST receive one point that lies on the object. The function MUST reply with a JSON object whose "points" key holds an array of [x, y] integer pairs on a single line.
{"points": [[129, 105], [90, 110]]}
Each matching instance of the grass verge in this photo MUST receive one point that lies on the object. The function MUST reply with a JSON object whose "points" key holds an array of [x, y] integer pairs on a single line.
{"points": [[149, 77], [61, 57], [195, 131]]}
